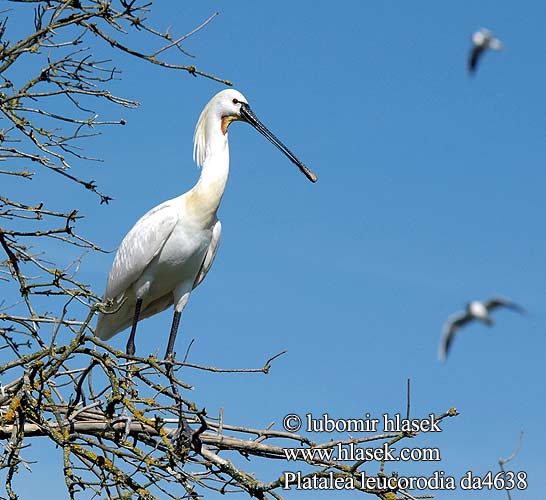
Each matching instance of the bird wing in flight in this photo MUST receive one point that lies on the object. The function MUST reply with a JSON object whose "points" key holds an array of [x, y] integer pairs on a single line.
{"points": [[141, 244], [497, 302], [473, 58], [453, 323], [495, 44], [211, 253]]}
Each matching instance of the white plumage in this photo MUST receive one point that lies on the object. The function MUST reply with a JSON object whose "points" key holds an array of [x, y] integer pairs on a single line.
{"points": [[164, 256], [170, 250]]}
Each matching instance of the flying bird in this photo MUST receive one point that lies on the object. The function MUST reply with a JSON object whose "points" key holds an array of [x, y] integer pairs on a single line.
{"points": [[475, 310], [170, 250], [482, 40]]}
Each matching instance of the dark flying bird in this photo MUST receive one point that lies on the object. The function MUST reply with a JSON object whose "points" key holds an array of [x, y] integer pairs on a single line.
{"points": [[481, 41], [475, 310]]}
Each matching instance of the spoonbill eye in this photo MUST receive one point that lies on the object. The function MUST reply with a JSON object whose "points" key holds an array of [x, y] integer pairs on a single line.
{"points": [[235, 101]]}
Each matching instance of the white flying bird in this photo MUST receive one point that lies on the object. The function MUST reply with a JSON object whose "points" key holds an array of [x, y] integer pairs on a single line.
{"points": [[481, 41], [170, 250], [475, 310]]}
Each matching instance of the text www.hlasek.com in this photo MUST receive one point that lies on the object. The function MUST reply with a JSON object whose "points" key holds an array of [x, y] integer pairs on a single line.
{"points": [[350, 452]]}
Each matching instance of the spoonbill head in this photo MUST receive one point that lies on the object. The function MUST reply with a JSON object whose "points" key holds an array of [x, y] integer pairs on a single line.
{"points": [[170, 250], [224, 108]]}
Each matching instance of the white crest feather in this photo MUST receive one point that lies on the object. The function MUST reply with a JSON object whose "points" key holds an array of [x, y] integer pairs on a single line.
{"points": [[224, 103], [200, 136]]}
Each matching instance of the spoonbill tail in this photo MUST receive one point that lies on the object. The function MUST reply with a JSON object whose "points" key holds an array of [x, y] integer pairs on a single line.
{"points": [[481, 41], [170, 250], [475, 310]]}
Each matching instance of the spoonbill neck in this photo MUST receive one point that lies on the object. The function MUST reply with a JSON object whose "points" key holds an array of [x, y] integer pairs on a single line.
{"points": [[213, 157]]}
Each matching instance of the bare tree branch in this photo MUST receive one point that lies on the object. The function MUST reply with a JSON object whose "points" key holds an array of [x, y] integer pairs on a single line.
{"points": [[114, 417]]}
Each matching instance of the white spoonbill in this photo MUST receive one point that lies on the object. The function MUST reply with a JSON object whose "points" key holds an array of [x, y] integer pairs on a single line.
{"points": [[475, 310], [170, 250], [481, 41]]}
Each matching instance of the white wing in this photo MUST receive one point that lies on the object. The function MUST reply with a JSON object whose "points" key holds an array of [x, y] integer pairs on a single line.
{"points": [[141, 244], [211, 253], [496, 44]]}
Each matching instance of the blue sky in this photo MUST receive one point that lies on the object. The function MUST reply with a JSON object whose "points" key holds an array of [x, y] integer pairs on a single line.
{"points": [[430, 193]]}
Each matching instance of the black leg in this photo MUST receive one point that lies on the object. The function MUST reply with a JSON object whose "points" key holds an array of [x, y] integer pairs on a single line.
{"points": [[183, 434], [172, 336], [130, 349]]}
